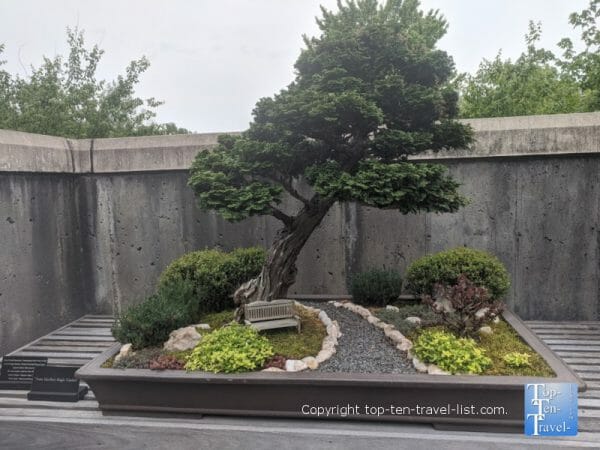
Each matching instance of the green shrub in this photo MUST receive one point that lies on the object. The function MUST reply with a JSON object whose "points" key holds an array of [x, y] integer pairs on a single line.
{"points": [[234, 348], [452, 354], [516, 359], [149, 323], [215, 275], [445, 267], [376, 287]]}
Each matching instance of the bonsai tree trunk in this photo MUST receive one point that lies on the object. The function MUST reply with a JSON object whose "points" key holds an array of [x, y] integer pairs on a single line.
{"points": [[279, 271]]}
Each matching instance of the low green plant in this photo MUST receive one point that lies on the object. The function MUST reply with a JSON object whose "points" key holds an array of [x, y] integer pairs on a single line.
{"points": [[231, 349], [516, 359], [214, 275], [452, 354], [376, 287], [444, 268], [149, 323]]}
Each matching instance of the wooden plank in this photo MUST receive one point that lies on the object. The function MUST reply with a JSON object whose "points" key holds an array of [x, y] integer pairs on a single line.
{"points": [[58, 343], [566, 354], [63, 355], [43, 412], [62, 348], [562, 323], [565, 341], [589, 394], [584, 413], [87, 329], [82, 332], [577, 348], [590, 376], [67, 362], [11, 402], [583, 361], [585, 368], [589, 403], [80, 338], [566, 328], [13, 393], [562, 331], [589, 424]]}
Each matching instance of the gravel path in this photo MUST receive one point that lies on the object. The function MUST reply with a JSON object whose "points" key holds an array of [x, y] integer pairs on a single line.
{"points": [[362, 348]]}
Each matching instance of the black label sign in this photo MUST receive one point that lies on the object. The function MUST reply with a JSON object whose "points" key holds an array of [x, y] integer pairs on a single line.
{"points": [[18, 370], [55, 379], [56, 384]]}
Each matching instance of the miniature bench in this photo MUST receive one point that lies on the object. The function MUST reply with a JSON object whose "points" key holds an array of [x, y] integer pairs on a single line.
{"points": [[271, 315]]}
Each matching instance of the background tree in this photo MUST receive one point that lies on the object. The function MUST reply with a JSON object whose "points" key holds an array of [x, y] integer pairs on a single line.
{"points": [[584, 66], [371, 90], [539, 82], [62, 97], [533, 84]]}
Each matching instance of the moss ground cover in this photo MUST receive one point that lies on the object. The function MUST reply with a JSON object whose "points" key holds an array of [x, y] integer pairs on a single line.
{"points": [[505, 340], [293, 345]]}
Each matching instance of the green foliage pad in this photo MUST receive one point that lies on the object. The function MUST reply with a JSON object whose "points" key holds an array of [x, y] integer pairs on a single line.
{"points": [[371, 90]]}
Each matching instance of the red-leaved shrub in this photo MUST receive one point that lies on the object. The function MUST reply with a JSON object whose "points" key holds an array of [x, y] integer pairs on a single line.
{"points": [[166, 362], [463, 307]]}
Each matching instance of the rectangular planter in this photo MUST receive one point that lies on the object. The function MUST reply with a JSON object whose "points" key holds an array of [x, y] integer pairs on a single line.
{"points": [[483, 403]]}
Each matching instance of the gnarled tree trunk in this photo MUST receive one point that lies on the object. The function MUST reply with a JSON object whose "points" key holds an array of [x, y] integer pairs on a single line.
{"points": [[279, 271]]}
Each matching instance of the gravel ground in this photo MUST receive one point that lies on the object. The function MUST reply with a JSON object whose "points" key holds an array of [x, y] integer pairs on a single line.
{"points": [[362, 348]]}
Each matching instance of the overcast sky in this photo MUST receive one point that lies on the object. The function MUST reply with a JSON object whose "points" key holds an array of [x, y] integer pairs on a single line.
{"points": [[211, 60]]}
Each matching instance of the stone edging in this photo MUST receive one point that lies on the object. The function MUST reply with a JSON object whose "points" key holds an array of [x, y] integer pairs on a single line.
{"points": [[401, 342], [327, 350]]}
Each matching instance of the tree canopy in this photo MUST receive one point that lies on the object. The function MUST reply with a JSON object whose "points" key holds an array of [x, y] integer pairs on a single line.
{"points": [[539, 81], [369, 92], [63, 97]]}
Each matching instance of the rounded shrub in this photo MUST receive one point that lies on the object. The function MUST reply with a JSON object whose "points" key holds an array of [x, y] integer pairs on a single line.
{"points": [[480, 267], [214, 275], [376, 287], [149, 323], [452, 354], [234, 348]]}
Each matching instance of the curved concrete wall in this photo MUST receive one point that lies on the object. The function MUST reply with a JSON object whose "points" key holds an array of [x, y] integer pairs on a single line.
{"points": [[88, 225]]}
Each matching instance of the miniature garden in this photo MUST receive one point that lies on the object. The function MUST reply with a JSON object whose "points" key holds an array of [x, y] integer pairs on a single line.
{"points": [[220, 334], [453, 325]]}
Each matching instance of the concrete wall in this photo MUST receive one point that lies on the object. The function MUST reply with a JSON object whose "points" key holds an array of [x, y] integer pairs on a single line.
{"points": [[88, 225]]}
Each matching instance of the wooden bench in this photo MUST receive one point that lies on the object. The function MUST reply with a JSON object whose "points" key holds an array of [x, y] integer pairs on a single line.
{"points": [[271, 315]]}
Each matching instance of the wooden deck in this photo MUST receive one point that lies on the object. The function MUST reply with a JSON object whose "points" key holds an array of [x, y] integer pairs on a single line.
{"points": [[578, 343]]}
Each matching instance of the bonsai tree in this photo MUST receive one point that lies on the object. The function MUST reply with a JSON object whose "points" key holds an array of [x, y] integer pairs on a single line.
{"points": [[369, 92]]}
